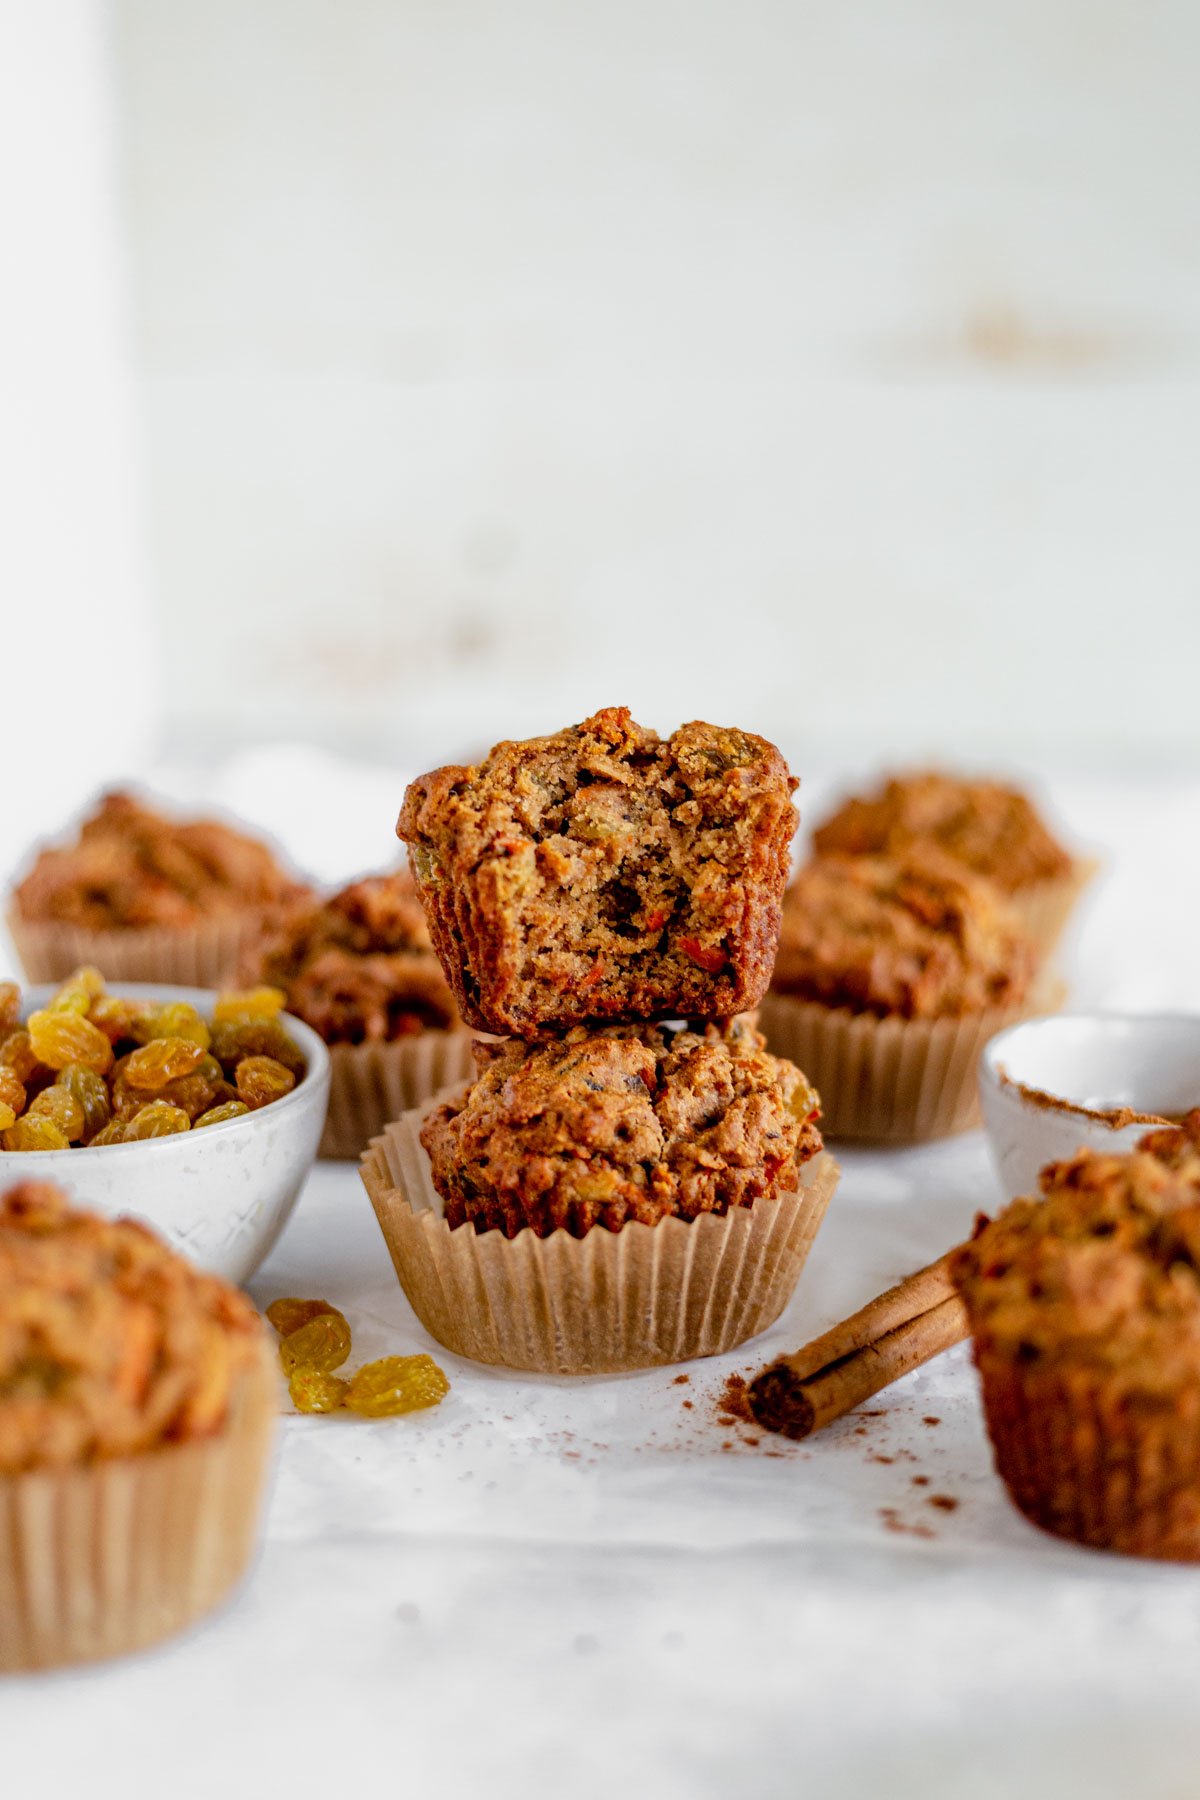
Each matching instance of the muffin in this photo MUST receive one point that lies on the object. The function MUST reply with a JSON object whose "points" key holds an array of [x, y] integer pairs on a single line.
{"points": [[137, 1399], [890, 977], [1085, 1311], [623, 1196], [604, 873], [360, 969], [992, 830], [146, 898]]}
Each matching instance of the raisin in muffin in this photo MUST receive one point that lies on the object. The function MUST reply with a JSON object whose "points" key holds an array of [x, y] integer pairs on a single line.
{"points": [[1085, 1312], [605, 873], [890, 977], [136, 1407], [359, 967], [993, 830], [621, 1123], [146, 898]]}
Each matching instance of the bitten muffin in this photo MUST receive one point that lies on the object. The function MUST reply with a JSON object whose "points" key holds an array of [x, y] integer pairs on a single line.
{"points": [[359, 967], [916, 938], [994, 831], [604, 873], [620, 1123], [1085, 1312], [137, 1402], [131, 868]]}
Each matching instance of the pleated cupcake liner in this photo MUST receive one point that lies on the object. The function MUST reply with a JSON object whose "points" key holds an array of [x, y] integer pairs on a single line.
{"points": [[1085, 1458], [206, 956], [372, 1084], [607, 1302], [892, 1080], [110, 1557], [1045, 907]]}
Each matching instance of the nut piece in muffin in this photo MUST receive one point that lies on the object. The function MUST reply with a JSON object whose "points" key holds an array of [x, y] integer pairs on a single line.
{"points": [[620, 1123], [993, 830], [359, 967], [131, 868], [605, 873], [110, 1343], [916, 938], [1085, 1312]]}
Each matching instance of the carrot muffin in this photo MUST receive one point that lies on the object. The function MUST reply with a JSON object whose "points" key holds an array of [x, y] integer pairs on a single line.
{"points": [[360, 969], [144, 897], [604, 872], [890, 977], [608, 1125], [1085, 1312], [993, 830], [135, 1392]]}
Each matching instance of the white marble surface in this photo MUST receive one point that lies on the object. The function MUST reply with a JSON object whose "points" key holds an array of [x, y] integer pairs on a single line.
{"points": [[570, 1587]]}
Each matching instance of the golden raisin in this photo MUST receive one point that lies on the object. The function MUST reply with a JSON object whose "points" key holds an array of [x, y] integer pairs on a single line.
{"points": [[59, 1038], [257, 1037], [112, 1133], [34, 1134], [156, 1120], [396, 1384], [175, 1019], [91, 1091], [289, 1315], [62, 1107], [324, 1343], [161, 1060], [16, 1053], [315, 1391], [78, 991], [260, 1079], [10, 1006], [244, 1006], [118, 1019], [12, 1091], [192, 1092], [7, 1116], [217, 1115]]}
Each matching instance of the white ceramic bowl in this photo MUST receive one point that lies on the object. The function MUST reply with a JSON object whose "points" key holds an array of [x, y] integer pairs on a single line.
{"points": [[222, 1195], [1096, 1080]]}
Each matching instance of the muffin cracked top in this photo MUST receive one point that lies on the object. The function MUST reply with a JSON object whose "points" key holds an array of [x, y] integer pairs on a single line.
{"points": [[621, 1123], [1105, 1269], [993, 830], [131, 867], [604, 872], [359, 967], [916, 938], [110, 1343]]}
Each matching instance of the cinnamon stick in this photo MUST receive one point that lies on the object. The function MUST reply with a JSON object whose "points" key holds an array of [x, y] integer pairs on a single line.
{"points": [[894, 1333]]}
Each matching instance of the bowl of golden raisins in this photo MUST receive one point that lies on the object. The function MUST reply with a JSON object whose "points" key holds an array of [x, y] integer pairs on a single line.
{"points": [[196, 1111]]}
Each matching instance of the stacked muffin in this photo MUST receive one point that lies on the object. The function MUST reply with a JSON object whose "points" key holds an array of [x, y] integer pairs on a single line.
{"points": [[918, 930], [631, 1177]]}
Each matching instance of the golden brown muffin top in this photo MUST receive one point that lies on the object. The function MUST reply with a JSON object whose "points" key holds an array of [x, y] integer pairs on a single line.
{"points": [[619, 1123], [110, 1343], [359, 967], [917, 938], [132, 867], [991, 829], [1105, 1268]]}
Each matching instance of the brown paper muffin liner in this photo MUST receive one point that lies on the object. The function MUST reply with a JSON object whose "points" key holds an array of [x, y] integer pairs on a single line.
{"points": [[606, 1302], [1045, 907], [1085, 1459], [891, 1080], [372, 1084], [204, 956], [107, 1558]]}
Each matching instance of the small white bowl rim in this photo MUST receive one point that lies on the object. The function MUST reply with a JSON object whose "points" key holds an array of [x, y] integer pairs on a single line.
{"points": [[314, 1047], [993, 1052]]}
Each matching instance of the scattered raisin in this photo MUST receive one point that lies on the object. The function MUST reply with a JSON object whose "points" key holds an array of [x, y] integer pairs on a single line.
{"points": [[289, 1315], [163, 1059], [260, 1079], [315, 1391], [324, 1343], [156, 1120], [396, 1384], [59, 1038]]}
